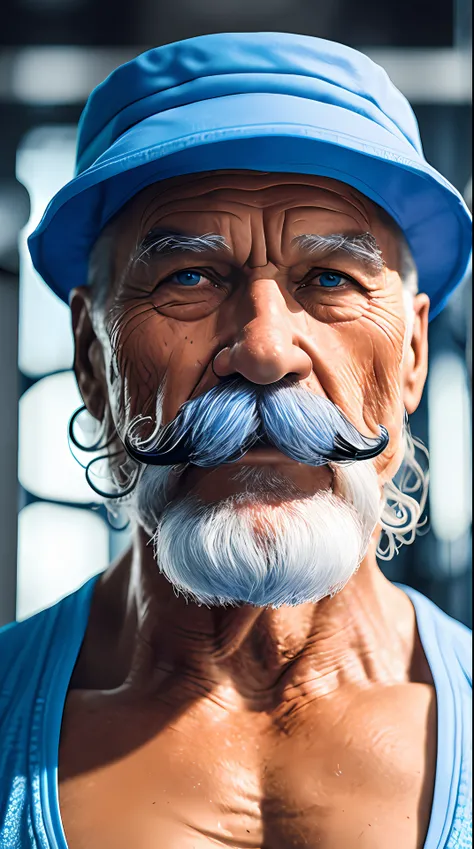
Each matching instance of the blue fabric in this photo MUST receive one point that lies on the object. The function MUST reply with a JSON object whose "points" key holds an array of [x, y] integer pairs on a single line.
{"points": [[260, 101], [37, 658]]}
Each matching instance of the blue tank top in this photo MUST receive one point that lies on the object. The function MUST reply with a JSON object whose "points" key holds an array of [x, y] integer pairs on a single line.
{"points": [[37, 657]]}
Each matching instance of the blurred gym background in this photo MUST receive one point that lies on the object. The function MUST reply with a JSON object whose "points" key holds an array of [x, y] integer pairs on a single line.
{"points": [[52, 53]]}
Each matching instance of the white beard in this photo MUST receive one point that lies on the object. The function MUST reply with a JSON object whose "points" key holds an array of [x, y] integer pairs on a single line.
{"points": [[268, 546]]}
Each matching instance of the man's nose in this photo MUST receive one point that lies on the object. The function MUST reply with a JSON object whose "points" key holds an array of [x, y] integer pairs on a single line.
{"points": [[266, 348]]}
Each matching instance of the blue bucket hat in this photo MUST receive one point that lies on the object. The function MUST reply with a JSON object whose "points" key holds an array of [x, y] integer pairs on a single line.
{"points": [[258, 101]]}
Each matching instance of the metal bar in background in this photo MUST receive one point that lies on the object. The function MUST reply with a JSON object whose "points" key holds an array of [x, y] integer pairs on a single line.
{"points": [[9, 391], [463, 24], [62, 75]]}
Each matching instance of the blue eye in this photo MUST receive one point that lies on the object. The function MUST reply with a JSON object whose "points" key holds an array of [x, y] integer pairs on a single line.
{"points": [[188, 278], [329, 280]]}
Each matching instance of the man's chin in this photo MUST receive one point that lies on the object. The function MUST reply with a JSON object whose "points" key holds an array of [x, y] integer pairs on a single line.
{"points": [[245, 550], [267, 544]]}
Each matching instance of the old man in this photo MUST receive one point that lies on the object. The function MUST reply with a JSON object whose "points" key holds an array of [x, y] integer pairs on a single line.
{"points": [[252, 247]]}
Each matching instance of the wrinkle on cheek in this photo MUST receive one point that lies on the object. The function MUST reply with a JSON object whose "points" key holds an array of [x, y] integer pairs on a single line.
{"points": [[383, 402], [140, 361], [137, 390], [365, 380], [160, 360], [386, 301], [344, 388], [335, 314], [386, 323]]}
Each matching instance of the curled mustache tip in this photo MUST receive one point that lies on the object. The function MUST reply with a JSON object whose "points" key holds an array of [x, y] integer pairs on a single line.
{"points": [[162, 456], [309, 429], [374, 446]]}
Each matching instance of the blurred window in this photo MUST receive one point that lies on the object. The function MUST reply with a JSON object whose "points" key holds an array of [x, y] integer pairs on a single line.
{"points": [[46, 466], [58, 548], [450, 446], [61, 541], [45, 162]]}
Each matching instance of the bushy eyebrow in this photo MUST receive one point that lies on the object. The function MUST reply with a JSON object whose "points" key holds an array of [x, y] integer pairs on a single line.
{"points": [[363, 248], [164, 243]]}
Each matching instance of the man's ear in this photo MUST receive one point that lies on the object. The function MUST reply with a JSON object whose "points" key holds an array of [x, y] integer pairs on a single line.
{"points": [[415, 363], [89, 364]]}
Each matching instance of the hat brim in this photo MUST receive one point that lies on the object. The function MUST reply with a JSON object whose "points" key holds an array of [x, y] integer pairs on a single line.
{"points": [[261, 132]]}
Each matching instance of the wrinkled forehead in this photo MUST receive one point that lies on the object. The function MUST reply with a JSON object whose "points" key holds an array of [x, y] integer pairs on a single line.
{"points": [[196, 201]]}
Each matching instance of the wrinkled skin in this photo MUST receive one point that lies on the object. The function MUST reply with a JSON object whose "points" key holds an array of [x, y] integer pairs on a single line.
{"points": [[308, 726]]}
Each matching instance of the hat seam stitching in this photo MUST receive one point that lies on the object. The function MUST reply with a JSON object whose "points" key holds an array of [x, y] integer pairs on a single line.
{"points": [[236, 94]]}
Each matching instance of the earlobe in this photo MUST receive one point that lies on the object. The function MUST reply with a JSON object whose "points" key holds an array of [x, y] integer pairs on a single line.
{"points": [[415, 366], [89, 366]]}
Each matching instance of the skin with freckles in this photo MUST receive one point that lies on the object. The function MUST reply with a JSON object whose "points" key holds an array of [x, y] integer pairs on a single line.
{"points": [[188, 726]]}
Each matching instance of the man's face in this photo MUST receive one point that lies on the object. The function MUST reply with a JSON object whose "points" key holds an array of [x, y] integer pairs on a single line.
{"points": [[261, 303]]}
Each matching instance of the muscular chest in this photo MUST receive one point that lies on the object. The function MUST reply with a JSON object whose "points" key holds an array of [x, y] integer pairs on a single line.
{"points": [[207, 777]]}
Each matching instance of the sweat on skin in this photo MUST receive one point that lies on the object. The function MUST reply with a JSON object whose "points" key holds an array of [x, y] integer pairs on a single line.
{"points": [[262, 324], [259, 312]]}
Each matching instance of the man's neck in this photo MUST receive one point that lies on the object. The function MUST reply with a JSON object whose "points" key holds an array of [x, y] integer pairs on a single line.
{"points": [[139, 632]]}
